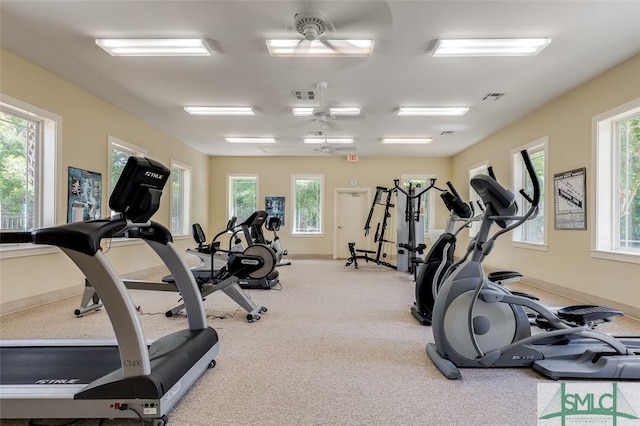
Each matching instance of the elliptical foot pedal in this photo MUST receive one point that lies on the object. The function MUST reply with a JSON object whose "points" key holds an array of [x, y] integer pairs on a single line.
{"points": [[586, 314], [503, 277]]}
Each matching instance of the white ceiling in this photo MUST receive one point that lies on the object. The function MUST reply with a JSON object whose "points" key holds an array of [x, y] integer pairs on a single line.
{"points": [[588, 37]]}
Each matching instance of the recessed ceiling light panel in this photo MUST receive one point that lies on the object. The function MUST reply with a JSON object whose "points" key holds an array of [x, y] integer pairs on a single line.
{"points": [[407, 140], [490, 47], [211, 110], [319, 48], [243, 139], [320, 140], [437, 111], [154, 47], [308, 111]]}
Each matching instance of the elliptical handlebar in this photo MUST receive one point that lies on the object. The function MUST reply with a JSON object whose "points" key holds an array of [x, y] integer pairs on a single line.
{"points": [[534, 200], [453, 189], [491, 173]]}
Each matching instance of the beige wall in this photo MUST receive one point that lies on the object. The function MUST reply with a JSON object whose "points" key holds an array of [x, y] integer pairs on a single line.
{"points": [[275, 180], [567, 121], [87, 121]]}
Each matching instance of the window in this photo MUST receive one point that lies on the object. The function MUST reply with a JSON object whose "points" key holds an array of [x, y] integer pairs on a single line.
{"points": [[617, 183], [28, 165], [308, 204], [119, 153], [419, 183], [180, 198], [474, 198], [533, 231], [243, 196]]}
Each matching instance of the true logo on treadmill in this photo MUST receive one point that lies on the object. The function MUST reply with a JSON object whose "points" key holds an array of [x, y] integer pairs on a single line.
{"points": [[57, 381], [153, 175]]}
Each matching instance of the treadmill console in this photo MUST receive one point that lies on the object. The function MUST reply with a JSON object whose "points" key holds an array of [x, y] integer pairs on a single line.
{"points": [[138, 190]]}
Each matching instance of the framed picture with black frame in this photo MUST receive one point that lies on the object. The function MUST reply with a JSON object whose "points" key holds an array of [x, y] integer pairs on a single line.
{"points": [[84, 200], [570, 199]]}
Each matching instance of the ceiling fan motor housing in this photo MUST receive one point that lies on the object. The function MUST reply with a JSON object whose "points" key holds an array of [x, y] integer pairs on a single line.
{"points": [[322, 114], [310, 25]]}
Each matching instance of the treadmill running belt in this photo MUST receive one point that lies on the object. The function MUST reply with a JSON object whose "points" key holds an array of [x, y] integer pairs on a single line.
{"points": [[56, 365]]}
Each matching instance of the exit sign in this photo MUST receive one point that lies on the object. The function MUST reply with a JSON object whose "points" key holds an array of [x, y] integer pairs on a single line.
{"points": [[352, 157]]}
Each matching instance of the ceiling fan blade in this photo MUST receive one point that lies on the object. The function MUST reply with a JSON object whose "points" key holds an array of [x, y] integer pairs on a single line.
{"points": [[298, 48], [359, 19], [328, 44]]}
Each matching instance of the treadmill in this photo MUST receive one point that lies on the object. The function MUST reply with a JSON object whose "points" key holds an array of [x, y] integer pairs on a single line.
{"points": [[125, 378]]}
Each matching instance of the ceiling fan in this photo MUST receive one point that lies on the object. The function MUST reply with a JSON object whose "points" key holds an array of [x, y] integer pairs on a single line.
{"points": [[324, 144], [341, 29], [322, 113]]}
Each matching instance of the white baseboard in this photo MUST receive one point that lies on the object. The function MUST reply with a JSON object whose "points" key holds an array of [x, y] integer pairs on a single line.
{"points": [[65, 293], [40, 299], [580, 297]]}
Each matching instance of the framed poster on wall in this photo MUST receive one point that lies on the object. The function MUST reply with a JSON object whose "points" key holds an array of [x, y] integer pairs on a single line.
{"points": [[570, 199], [85, 195], [274, 206]]}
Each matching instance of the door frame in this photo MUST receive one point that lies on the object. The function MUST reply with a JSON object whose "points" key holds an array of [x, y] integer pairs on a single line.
{"points": [[336, 192]]}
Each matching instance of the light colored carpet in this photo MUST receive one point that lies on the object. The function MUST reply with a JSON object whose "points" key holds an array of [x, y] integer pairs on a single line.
{"points": [[338, 346]]}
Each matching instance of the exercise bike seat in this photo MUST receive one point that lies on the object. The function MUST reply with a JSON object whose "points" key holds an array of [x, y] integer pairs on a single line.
{"points": [[200, 238], [586, 314]]}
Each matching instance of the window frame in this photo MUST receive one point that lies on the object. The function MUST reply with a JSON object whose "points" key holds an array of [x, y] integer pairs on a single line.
{"points": [[604, 166], [49, 194], [294, 231], [185, 198], [518, 171], [230, 192]]}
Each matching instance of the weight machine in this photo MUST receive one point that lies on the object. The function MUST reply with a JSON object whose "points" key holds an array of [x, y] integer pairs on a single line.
{"points": [[407, 252]]}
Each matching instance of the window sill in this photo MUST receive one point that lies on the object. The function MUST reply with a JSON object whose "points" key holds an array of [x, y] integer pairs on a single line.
{"points": [[530, 246], [12, 251], [616, 256], [307, 235]]}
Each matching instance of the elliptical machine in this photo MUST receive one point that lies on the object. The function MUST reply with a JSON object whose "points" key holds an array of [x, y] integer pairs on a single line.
{"points": [[477, 323], [439, 262], [440, 257]]}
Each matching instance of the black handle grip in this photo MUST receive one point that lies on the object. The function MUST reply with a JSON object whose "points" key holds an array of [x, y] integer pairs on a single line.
{"points": [[15, 237], [534, 178], [526, 196], [453, 190], [490, 171]]}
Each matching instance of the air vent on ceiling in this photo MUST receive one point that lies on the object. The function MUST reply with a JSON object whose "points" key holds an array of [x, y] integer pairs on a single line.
{"points": [[447, 132], [315, 134], [304, 94], [492, 96]]}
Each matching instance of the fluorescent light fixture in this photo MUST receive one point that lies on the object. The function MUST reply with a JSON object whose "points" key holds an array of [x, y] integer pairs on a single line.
{"points": [[318, 48], [154, 47], [490, 47], [438, 111], [268, 139], [308, 111], [407, 140], [211, 110], [320, 140]]}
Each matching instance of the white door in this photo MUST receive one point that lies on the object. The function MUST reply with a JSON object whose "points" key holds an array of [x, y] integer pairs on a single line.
{"points": [[351, 209]]}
